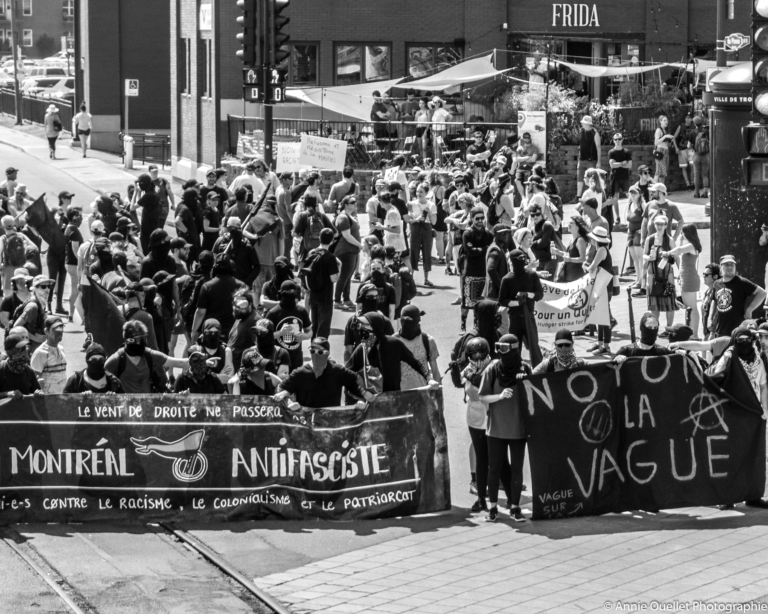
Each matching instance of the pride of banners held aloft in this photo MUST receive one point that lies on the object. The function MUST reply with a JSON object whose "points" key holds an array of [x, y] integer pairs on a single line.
{"points": [[73, 458], [649, 434]]}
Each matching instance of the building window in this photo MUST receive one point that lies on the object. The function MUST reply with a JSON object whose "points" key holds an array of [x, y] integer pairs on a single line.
{"points": [[424, 60], [26, 38], [68, 10], [5, 10], [26, 8], [204, 67], [183, 65], [301, 64], [359, 63]]}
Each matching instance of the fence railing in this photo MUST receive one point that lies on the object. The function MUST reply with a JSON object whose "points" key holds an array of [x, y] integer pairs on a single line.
{"points": [[150, 147], [33, 108]]}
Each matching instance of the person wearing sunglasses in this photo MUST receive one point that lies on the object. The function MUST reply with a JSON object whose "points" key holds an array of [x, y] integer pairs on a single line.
{"points": [[644, 181], [661, 275], [562, 357], [505, 429], [620, 161], [475, 241], [319, 382]]}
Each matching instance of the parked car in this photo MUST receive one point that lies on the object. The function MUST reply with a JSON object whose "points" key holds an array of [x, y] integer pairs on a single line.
{"points": [[26, 65], [52, 87], [57, 57]]}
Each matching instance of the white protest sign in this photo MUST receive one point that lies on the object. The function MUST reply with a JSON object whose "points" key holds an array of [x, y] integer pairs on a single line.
{"points": [[327, 154], [575, 304], [288, 158], [534, 122]]}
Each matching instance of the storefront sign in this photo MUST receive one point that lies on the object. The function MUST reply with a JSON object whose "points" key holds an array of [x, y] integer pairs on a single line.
{"points": [[535, 123], [206, 17], [575, 15]]}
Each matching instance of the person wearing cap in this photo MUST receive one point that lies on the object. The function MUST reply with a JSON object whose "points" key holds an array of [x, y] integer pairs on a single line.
{"points": [[256, 376], [308, 221], [496, 265], [16, 375], [49, 361], [319, 383], [590, 149], [646, 345], [526, 155], [128, 229], [248, 177], [215, 298], [701, 159], [198, 378], [9, 183], [659, 205], [33, 313], [52, 124], [620, 161], [94, 378], [736, 297], [146, 198], [562, 357], [422, 345], [211, 187], [291, 321], [600, 241], [519, 291], [13, 250], [159, 258], [74, 239], [20, 284]]}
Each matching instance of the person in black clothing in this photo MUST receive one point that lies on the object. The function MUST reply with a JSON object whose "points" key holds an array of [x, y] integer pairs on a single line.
{"points": [[159, 258], [74, 239], [519, 291], [309, 223], [256, 375], [146, 197], [263, 335], [214, 346], [270, 291], [16, 375], [385, 352], [291, 322], [543, 236], [589, 152], [496, 266], [94, 378], [211, 220], [243, 255], [386, 297], [215, 299], [646, 345], [620, 160], [474, 244], [189, 221], [319, 383], [320, 276], [198, 379]]}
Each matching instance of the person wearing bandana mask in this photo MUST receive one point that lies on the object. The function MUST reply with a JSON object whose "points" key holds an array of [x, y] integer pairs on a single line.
{"points": [[291, 322], [368, 299], [33, 312], [256, 376], [147, 198], [245, 319], [563, 357], [159, 258], [505, 431], [198, 378], [94, 378], [646, 345], [421, 345], [385, 352], [270, 291], [16, 375], [215, 298], [212, 344], [387, 297], [263, 337], [319, 383]]}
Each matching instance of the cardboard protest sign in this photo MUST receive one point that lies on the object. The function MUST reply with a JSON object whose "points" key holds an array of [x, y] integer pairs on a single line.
{"points": [[74, 458], [575, 304], [327, 154], [649, 434]]}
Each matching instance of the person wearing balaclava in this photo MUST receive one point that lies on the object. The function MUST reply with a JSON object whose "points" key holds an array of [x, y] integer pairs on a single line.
{"points": [[159, 258], [563, 356], [16, 375], [270, 291], [506, 431], [387, 297], [240, 251], [319, 382], [646, 345], [94, 378], [256, 375], [263, 337], [520, 289], [291, 322], [198, 378], [162, 306], [189, 221], [385, 352], [145, 196], [240, 336], [212, 343], [422, 345], [368, 300]]}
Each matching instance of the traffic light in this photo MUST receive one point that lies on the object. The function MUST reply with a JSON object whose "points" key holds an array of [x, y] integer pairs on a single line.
{"points": [[280, 38], [249, 37], [760, 61]]}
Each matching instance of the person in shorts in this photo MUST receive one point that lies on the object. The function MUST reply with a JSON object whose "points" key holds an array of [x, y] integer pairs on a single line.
{"points": [[527, 154], [620, 161]]}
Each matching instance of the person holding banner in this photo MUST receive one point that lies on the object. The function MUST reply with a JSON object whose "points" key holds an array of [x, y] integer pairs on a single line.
{"points": [[563, 358], [519, 292], [660, 270], [198, 378], [94, 378], [600, 240], [255, 377], [646, 345]]}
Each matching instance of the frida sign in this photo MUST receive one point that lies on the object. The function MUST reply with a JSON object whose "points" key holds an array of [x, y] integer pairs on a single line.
{"points": [[575, 15]]}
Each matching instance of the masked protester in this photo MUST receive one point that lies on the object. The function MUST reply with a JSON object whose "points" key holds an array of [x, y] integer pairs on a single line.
{"points": [[646, 345], [505, 430], [291, 322], [386, 297], [475, 243], [16, 376], [198, 378], [159, 258], [270, 291], [486, 326], [240, 337], [219, 355], [563, 356], [256, 375], [215, 297], [31, 315], [94, 378], [368, 299], [422, 346], [147, 198], [263, 338], [319, 383], [762, 335]]}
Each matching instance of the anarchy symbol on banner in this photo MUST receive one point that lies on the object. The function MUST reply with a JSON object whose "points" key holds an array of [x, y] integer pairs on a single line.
{"points": [[706, 412], [596, 422], [578, 300]]}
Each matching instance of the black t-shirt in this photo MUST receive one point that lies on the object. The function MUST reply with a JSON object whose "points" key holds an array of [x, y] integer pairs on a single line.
{"points": [[214, 221], [731, 298], [223, 196], [620, 155], [150, 211], [72, 234], [9, 305], [387, 297], [327, 266], [192, 234], [210, 384], [25, 382], [632, 350], [216, 298], [77, 383], [323, 391], [296, 320]]}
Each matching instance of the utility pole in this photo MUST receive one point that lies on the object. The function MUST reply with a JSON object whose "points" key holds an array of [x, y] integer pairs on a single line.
{"points": [[266, 76], [16, 62], [720, 33]]}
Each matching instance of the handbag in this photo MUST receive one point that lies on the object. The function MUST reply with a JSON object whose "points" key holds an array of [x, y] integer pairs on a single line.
{"points": [[658, 154]]}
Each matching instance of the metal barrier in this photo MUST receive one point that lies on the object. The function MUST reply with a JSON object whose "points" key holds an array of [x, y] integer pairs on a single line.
{"points": [[33, 108], [150, 147]]}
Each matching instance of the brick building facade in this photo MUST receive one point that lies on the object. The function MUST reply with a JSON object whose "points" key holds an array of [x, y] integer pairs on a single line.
{"points": [[339, 42], [41, 25]]}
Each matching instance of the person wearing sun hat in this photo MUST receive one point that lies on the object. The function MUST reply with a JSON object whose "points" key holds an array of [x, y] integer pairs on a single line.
{"points": [[52, 123], [600, 240]]}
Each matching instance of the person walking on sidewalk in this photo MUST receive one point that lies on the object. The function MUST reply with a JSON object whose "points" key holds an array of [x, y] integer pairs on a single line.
{"points": [[52, 123], [82, 123]]}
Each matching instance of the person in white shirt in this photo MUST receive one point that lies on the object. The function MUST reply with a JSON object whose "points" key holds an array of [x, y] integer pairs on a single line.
{"points": [[49, 361], [439, 129], [423, 213], [396, 173], [248, 177], [81, 127]]}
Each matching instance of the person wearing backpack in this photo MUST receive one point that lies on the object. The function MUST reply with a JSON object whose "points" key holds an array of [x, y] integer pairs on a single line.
{"points": [[701, 159], [422, 346], [320, 272], [31, 315], [308, 224], [139, 368], [13, 250]]}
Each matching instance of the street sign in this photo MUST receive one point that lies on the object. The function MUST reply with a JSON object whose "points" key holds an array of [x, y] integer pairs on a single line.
{"points": [[736, 41], [131, 87]]}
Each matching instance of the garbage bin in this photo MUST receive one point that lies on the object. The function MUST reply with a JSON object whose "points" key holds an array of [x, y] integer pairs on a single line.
{"points": [[128, 151]]}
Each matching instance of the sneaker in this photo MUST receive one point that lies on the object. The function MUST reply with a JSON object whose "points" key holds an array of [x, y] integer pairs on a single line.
{"points": [[493, 514], [428, 283], [87, 342], [349, 304], [516, 514], [441, 260], [594, 347], [473, 488], [356, 277], [602, 351], [640, 292], [448, 270], [630, 271], [338, 305], [479, 506]]}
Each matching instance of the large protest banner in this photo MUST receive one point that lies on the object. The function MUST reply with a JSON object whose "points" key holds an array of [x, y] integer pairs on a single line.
{"points": [[74, 458], [574, 305], [648, 434]]}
